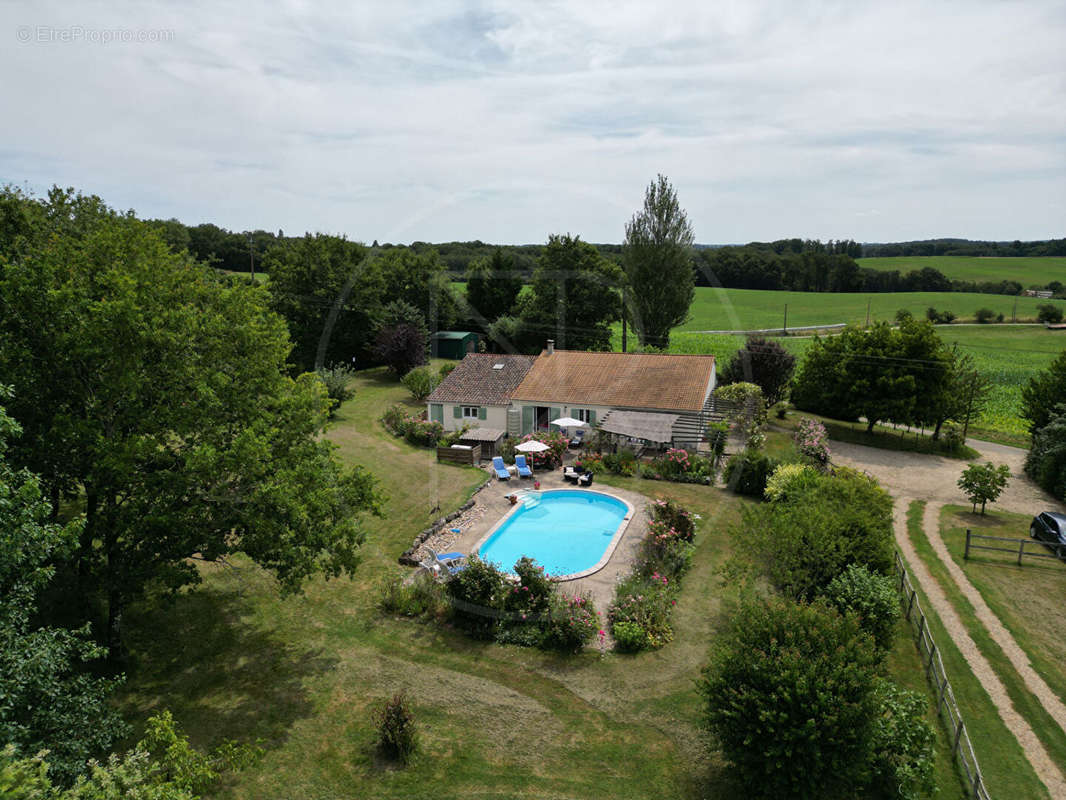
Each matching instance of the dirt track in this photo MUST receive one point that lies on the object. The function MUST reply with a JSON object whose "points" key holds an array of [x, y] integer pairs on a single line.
{"points": [[911, 476]]}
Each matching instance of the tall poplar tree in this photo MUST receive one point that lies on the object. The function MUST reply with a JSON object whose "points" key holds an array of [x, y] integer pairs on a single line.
{"points": [[657, 257]]}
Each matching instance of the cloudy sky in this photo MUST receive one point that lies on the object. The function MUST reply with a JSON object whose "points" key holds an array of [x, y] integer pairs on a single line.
{"points": [[507, 121]]}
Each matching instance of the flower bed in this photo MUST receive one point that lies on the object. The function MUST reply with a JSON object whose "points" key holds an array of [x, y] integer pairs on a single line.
{"points": [[417, 430], [644, 600]]}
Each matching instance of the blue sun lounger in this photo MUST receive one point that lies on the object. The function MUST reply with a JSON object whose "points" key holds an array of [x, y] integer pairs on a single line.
{"points": [[523, 469], [501, 469]]}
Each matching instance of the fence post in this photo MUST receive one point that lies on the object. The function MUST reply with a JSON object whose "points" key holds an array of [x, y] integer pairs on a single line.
{"points": [[910, 605], [958, 737], [932, 652], [967, 553], [977, 783], [1021, 550], [921, 630]]}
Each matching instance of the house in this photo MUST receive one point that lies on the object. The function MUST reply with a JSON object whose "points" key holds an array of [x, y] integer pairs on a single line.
{"points": [[453, 344], [665, 396], [478, 391]]}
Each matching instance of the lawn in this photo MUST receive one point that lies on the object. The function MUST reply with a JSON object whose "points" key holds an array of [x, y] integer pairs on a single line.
{"points": [[1029, 271], [1003, 764], [232, 659], [1027, 598]]}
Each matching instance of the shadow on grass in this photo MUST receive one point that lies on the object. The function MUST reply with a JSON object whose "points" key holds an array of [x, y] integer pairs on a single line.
{"points": [[222, 676]]}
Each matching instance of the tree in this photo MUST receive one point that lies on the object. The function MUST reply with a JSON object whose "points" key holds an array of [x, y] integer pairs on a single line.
{"points": [[1049, 313], [882, 374], [1044, 391], [172, 416], [574, 297], [763, 362], [657, 258], [984, 483], [401, 347], [419, 279], [162, 766], [1045, 462], [329, 293], [960, 396], [49, 700], [492, 286], [790, 695]]}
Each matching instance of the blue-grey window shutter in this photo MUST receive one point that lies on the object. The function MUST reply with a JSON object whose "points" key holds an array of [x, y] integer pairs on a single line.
{"points": [[483, 413], [457, 412]]}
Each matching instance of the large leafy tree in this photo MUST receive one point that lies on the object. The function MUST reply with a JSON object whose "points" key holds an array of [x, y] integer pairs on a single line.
{"points": [[492, 286], [763, 362], [420, 280], [574, 298], [882, 374], [171, 416], [791, 698], [657, 257], [1044, 392], [329, 292], [48, 698]]}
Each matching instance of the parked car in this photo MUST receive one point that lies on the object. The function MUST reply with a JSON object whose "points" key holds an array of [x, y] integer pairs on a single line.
{"points": [[1049, 527]]}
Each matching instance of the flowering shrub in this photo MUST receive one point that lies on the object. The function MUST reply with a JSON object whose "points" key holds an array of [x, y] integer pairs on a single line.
{"points": [[645, 602], [680, 469], [424, 433], [532, 594], [572, 623], [674, 516], [476, 593], [414, 429], [590, 462], [551, 458], [812, 441]]}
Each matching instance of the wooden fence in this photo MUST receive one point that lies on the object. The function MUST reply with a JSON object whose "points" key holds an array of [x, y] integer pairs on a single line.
{"points": [[946, 705], [1017, 546], [459, 455]]}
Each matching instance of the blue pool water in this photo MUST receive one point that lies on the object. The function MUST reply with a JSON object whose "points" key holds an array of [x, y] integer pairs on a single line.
{"points": [[566, 531]]}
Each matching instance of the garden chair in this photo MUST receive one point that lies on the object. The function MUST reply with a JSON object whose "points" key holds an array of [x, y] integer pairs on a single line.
{"points": [[585, 480], [450, 562], [523, 468], [501, 469]]}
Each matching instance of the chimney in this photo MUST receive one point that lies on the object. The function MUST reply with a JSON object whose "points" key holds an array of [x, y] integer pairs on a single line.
{"points": [[551, 346]]}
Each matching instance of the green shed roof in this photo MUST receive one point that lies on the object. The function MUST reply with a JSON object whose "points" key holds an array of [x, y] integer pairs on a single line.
{"points": [[452, 334]]}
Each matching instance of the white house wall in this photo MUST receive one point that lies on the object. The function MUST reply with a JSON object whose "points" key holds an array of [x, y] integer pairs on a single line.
{"points": [[495, 417]]}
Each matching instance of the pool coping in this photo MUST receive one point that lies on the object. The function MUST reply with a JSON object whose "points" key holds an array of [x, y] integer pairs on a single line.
{"points": [[608, 551]]}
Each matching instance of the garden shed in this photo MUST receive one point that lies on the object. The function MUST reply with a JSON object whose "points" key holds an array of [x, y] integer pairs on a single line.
{"points": [[453, 344], [490, 440]]}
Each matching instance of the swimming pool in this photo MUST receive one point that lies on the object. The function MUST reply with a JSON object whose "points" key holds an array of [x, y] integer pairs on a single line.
{"points": [[570, 532]]}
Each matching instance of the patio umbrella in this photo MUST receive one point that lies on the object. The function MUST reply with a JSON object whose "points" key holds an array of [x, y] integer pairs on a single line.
{"points": [[567, 422], [532, 446]]}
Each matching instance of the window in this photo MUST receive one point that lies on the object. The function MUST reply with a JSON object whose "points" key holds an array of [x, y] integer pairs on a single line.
{"points": [[470, 412], [583, 414]]}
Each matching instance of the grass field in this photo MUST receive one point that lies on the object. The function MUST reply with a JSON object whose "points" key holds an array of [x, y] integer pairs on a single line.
{"points": [[232, 659], [752, 309], [1027, 598], [1036, 271]]}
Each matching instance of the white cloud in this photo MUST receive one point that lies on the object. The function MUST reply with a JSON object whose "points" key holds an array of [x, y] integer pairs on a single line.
{"points": [[506, 121]]}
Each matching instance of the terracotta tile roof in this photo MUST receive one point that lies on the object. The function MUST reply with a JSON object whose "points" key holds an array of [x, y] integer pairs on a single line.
{"points": [[622, 380], [476, 382]]}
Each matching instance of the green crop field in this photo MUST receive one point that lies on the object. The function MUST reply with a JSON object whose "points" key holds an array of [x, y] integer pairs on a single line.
{"points": [[747, 309], [1036, 271]]}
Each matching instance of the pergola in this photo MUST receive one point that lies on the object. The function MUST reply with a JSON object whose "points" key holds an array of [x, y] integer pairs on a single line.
{"points": [[648, 426]]}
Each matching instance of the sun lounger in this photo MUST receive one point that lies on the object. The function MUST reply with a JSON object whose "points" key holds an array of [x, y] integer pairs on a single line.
{"points": [[451, 562], [523, 469], [501, 469]]}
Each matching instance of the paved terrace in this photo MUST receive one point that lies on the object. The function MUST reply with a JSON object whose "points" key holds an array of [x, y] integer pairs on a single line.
{"points": [[491, 504]]}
